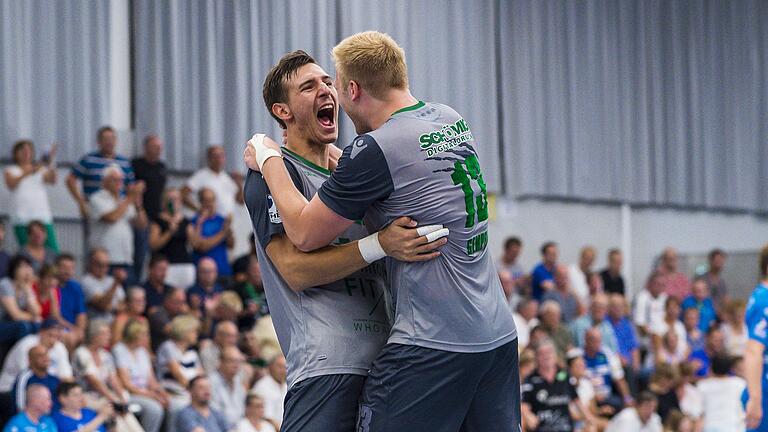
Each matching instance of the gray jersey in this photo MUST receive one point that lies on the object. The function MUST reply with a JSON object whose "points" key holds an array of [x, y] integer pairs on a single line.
{"points": [[421, 163], [337, 328]]}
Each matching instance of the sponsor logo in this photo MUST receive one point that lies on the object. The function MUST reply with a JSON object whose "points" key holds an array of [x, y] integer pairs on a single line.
{"points": [[357, 147], [274, 216], [370, 326], [448, 137], [477, 243]]}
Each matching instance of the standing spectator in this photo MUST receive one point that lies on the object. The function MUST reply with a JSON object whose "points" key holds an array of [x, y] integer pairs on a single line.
{"points": [[36, 373], [134, 368], [570, 305], [578, 274], [155, 286], [114, 217], [229, 387], [542, 276], [605, 372], [525, 320], [19, 309], [721, 394], [104, 293], [72, 302], [169, 234], [26, 180], [17, 359], [676, 284], [36, 250], [204, 296], [174, 304], [73, 416], [714, 277], [551, 323], [90, 169], [613, 282], [135, 308], [178, 362], [272, 388], [215, 178], [649, 305], [734, 329], [598, 312], [629, 347], [199, 416], [639, 418], [35, 415], [251, 292], [4, 257], [254, 416], [151, 170], [700, 300], [211, 233]]}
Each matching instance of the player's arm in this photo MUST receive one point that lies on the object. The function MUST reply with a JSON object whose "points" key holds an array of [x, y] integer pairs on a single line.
{"points": [[356, 183]]}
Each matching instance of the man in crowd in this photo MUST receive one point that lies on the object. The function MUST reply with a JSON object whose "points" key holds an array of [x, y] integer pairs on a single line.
{"points": [[513, 247], [675, 283], [174, 304], [225, 335], [578, 273], [35, 417], [199, 416], [151, 170], [613, 281], [104, 293], [229, 386], [605, 372], [543, 275], [626, 336], [551, 323], [155, 286], [570, 305], [525, 320], [272, 388], [639, 418], [650, 305], [215, 177], [17, 359], [701, 300], [597, 317], [72, 414], [36, 373], [72, 301], [204, 295]]}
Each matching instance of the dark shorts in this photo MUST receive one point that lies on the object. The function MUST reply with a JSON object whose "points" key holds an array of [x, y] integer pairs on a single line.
{"points": [[417, 389], [322, 404]]}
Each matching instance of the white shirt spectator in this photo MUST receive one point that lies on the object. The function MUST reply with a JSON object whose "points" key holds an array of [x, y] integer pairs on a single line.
{"points": [[29, 201], [523, 329], [691, 404], [18, 360], [116, 237], [245, 425], [648, 310], [273, 394], [84, 364], [735, 343], [221, 184], [188, 361], [628, 420], [137, 363], [579, 285], [94, 287], [586, 391], [721, 397], [227, 400]]}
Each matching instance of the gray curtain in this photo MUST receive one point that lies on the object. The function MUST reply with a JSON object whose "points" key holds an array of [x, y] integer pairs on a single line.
{"points": [[54, 73]]}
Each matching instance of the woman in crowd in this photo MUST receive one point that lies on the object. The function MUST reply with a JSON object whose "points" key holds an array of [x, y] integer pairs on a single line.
{"points": [[169, 235], [36, 250], [26, 179], [48, 294], [19, 309], [694, 335], [134, 368], [671, 322], [734, 330], [211, 233], [135, 307]]}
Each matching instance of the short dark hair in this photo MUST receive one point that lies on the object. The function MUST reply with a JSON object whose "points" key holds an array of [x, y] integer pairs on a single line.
{"points": [[613, 252], [546, 246], [721, 364], [715, 252], [510, 241], [156, 258], [17, 146], [65, 256], [15, 263], [645, 397], [65, 387], [764, 261], [195, 380], [102, 130], [274, 90], [35, 223]]}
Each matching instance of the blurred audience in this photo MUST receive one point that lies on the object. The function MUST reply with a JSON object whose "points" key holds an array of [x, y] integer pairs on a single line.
{"points": [[170, 234], [104, 293], [254, 416], [578, 274], [543, 275], [36, 373], [20, 313], [17, 359], [613, 281], [714, 277], [675, 283], [213, 177], [199, 416], [35, 416], [211, 233], [36, 250], [639, 418], [155, 285], [272, 389]]}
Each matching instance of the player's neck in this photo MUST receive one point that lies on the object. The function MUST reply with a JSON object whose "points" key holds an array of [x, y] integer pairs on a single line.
{"points": [[312, 152], [382, 109]]}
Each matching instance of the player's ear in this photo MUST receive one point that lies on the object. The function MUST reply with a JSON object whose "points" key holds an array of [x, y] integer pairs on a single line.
{"points": [[282, 111], [354, 90]]}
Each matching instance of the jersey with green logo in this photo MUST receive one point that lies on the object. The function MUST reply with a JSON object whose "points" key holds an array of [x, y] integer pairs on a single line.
{"points": [[422, 163], [337, 328]]}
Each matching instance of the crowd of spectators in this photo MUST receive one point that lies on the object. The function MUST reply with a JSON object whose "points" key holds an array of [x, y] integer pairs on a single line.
{"points": [[164, 328], [594, 358]]}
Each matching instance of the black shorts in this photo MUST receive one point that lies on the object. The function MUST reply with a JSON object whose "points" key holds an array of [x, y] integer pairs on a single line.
{"points": [[322, 404], [418, 389]]}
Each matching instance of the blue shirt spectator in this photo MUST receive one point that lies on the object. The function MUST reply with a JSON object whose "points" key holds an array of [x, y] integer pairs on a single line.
{"points": [[206, 287], [65, 423], [626, 337], [707, 314], [90, 167], [540, 275], [214, 227], [35, 415], [22, 423], [26, 379], [72, 301], [199, 414]]}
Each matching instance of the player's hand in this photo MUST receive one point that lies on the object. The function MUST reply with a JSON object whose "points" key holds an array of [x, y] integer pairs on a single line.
{"points": [[250, 153], [334, 154], [249, 157], [403, 241], [754, 413]]}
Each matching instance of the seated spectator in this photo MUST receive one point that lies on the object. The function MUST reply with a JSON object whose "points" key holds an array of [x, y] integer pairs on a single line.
{"points": [[663, 385], [671, 352], [570, 306], [36, 373], [240, 265], [597, 317], [204, 295], [48, 294], [721, 397], [72, 302], [250, 346], [694, 335], [578, 274], [95, 368], [224, 335], [178, 362], [679, 422], [35, 416], [650, 305], [251, 292], [613, 282], [669, 323], [577, 368], [639, 418], [714, 344], [215, 177], [4, 257], [605, 372], [17, 360], [229, 386], [135, 307], [734, 329], [228, 306], [527, 363], [676, 284], [549, 394], [73, 416], [254, 416], [169, 236], [525, 319], [199, 416], [19, 311], [551, 324], [155, 285], [36, 250], [542, 276], [272, 388], [103, 293], [700, 300], [211, 233], [114, 216], [691, 402], [174, 304], [134, 368], [626, 336]]}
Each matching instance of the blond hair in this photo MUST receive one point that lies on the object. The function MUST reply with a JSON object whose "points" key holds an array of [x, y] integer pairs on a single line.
{"points": [[372, 59], [183, 325]]}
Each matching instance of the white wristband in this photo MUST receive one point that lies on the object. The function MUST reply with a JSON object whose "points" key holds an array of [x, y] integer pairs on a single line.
{"points": [[262, 152], [370, 248]]}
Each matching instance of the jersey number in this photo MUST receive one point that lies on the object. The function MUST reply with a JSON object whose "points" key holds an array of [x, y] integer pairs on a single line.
{"points": [[464, 177]]}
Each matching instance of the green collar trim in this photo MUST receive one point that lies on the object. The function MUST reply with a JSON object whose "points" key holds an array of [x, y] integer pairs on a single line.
{"points": [[307, 163], [418, 105]]}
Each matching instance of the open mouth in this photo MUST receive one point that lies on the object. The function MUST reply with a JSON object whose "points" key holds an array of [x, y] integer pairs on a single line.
{"points": [[326, 116]]}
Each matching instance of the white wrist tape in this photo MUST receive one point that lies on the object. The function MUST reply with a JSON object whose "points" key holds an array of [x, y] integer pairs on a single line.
{"points": [[370, 248], [262, 152], [433, 232]]}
